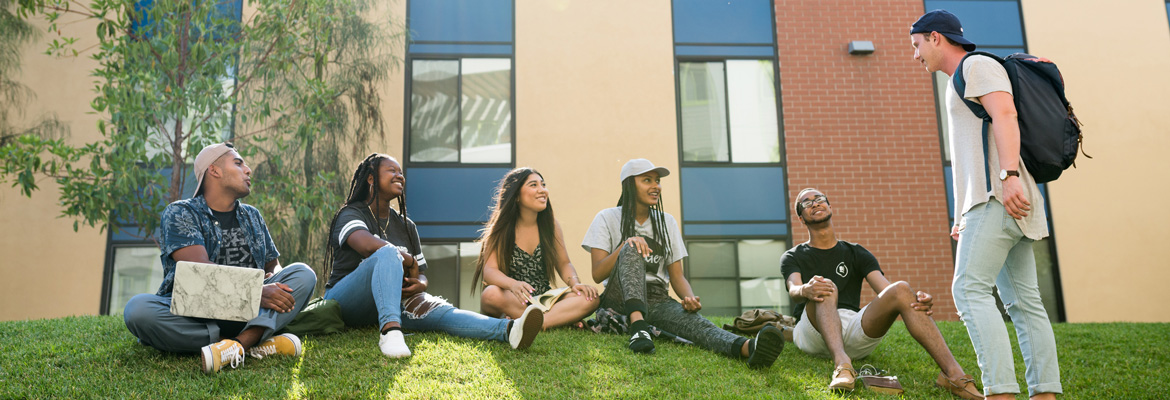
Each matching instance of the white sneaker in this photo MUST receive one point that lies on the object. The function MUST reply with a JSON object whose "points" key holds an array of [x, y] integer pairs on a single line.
{"points": [[393, 344], [525, 328]]}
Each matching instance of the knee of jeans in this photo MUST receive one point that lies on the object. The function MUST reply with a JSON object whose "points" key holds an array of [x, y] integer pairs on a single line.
{"points": [[389, 250], [629, 254], [136, 312], [386, 254], [300, 275]]}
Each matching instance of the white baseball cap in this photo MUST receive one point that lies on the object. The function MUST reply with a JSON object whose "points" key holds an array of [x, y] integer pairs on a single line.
{"points": [[639, 166], [206, 157]]}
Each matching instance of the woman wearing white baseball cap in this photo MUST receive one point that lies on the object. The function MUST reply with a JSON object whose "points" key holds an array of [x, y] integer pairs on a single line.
{"points": [[637, 249]]}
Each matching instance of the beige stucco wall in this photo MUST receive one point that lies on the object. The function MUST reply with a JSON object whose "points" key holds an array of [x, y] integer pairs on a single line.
{"points": [[393, 15], [587, 103], [1109, 214], [48, 270]]}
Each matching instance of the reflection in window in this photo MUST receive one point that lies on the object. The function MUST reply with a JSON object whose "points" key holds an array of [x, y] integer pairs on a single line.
{"points": [[734, 276], [751, 88], [136, 270], [450, 267], [729, 111], [704, 112], [475, 129]]}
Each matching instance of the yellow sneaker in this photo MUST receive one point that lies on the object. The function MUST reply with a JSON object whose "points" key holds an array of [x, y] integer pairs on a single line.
{"points": [[221, 353], [285, 344]]}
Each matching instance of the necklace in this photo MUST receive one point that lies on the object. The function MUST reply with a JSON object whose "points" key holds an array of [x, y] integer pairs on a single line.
{"points": [[383, 229]]}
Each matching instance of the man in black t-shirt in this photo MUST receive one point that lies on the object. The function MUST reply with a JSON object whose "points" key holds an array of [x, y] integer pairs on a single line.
{"points": [[824, 277]]}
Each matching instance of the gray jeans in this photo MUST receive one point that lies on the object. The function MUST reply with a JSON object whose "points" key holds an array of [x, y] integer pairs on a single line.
{"points": [[148, 316], [628, 291]]}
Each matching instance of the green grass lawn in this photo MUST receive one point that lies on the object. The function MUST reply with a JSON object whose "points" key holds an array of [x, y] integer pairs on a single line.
{"points": [[95, 357]]}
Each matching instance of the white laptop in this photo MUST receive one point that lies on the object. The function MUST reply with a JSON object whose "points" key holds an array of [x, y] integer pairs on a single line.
{"points": [[216, 291]]}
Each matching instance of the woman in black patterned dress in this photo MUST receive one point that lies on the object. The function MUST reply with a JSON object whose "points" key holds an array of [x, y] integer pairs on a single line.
{"points": [[522, 247]]}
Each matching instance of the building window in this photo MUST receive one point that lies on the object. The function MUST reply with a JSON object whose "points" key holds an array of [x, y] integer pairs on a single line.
{"points": [[733, 276], [731, 153], [461, 111], [728, 111], [136, 269], [450, 269]]}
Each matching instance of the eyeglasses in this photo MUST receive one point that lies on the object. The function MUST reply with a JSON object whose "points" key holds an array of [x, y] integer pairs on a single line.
{"points": [[813, 201]]}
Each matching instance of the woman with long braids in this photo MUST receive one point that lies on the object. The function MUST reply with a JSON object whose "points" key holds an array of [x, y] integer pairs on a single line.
{"points": [[637, 249], [522, 246], [375, 267]]}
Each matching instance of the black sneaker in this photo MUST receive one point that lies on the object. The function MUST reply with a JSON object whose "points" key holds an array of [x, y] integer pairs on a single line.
{"points": [[767, 346], [640, 341]]}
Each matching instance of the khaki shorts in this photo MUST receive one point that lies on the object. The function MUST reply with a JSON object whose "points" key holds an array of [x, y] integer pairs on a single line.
{"points": [[857, 344]]}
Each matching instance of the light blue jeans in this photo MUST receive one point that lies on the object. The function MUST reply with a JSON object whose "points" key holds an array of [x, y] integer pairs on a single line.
{"points": [[994, 252], [372, 293]]}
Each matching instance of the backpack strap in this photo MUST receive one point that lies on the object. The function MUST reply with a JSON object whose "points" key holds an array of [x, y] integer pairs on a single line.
{"points": [[960, 88]]}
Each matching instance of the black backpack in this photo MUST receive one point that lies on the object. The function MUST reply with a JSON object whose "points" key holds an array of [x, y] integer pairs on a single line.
{"points": [[1050, 133]]}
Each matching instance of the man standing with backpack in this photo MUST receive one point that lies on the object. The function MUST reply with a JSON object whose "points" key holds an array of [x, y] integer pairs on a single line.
{"points": [[991, 184]]}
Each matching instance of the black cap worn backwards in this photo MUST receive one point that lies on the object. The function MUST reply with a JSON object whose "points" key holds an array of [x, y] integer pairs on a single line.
{"points": [[943, 22]]}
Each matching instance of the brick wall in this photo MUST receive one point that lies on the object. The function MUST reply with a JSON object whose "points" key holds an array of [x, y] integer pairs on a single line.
{"points": [[863, 130]]}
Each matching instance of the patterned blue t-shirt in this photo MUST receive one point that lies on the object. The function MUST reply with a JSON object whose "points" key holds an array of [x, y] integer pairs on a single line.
{"points": [[190, 222]]}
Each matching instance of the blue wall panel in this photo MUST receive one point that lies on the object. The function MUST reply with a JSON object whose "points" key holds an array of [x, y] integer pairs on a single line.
{"points": [[733, 194], [731, 230], [450, 194], [460, 232], [726, 51], [737, 21], [991, 23], [462, 49], [1002, 51], [461, 20]]}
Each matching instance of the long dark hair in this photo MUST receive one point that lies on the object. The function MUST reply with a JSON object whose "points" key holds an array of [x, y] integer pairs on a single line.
{"points": [[499, 235], [359, 191], [629, 204]]}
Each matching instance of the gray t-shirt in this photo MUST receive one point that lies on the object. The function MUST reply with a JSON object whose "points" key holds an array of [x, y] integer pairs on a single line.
{"points": [[605, 233], [984, 75]]}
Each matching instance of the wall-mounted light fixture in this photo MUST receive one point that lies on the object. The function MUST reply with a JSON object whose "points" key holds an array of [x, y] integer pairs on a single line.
{"points": [[860, 47]]}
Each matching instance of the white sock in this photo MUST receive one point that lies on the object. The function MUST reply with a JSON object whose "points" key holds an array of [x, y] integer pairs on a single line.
{"points": [[393, 344]]}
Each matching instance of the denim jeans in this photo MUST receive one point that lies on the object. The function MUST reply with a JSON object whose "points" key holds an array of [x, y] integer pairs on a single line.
{"points": [[372, 293], [148, 316], [994, 252]]}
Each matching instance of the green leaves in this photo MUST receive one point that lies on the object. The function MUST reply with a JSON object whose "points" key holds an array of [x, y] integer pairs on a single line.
{"points": [[299, 79]]}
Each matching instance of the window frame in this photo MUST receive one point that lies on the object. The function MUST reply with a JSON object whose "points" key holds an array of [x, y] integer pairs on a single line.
{"points": [[678, 103], [408, 109], [459, 296], [738, 278], [112, 247], [408, 90]]}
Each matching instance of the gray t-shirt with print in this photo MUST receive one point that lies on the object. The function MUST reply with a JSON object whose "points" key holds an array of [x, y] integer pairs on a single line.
{"points": [[605, 233]]}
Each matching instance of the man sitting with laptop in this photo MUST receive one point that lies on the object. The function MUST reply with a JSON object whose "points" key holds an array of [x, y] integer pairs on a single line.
{"points": [[214, 227]]}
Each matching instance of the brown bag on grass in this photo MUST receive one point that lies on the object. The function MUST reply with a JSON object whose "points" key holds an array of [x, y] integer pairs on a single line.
{"points": [[752, 321]]}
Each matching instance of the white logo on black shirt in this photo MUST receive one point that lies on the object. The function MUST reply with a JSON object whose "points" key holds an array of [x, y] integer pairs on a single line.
{"points": [[842, 270]]}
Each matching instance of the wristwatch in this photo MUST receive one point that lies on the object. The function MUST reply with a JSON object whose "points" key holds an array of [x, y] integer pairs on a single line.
{"points": [[1004, 174]]}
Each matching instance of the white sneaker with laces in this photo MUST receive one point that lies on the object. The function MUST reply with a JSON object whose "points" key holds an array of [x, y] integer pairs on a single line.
{"points": [[525, 328], [393, 344]]}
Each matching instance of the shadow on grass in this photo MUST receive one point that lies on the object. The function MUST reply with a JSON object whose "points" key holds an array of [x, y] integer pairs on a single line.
{"points": [[346, 365]]}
